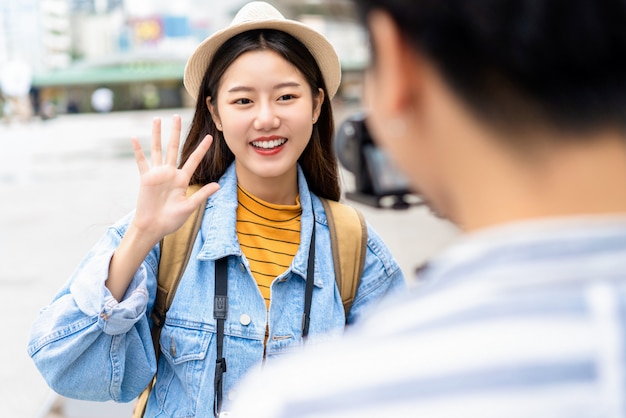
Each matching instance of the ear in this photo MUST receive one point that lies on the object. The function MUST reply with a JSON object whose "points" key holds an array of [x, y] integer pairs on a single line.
{"points": [[318, 101], [394, 66], [214, 114]]}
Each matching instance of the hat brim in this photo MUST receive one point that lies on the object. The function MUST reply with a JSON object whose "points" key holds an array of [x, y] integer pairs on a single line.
{"points": [[316, 43]]}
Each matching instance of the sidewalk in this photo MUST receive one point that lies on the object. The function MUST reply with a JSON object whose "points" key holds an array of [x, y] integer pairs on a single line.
{"points": [[62, 182], [71, 408]]}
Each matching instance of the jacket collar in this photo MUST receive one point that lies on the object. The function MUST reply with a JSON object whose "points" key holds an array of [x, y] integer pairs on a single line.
{"points": [[220, 218]]}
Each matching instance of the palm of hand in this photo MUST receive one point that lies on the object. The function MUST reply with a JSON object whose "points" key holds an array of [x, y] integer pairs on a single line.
{"points": [[162, 205]]}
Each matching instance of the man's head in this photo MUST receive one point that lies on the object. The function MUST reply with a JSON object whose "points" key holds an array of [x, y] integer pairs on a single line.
{"points": [[490, 78]]}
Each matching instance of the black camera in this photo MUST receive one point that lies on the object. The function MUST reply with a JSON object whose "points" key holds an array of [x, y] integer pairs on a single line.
{"points": [[377, 182]]}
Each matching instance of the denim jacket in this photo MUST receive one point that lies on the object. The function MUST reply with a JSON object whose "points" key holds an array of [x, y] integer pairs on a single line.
{"points": [[89, 346]]}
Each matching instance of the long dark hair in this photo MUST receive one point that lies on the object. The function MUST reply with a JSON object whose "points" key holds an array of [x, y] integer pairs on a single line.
{"points": [[318, 160]]}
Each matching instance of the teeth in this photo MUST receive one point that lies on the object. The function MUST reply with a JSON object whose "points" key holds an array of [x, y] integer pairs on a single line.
{"points": [[269, 144]]}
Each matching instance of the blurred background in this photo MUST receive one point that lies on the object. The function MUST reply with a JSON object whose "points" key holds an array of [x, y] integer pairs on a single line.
{"points": [[78, 56], [78, 78]]}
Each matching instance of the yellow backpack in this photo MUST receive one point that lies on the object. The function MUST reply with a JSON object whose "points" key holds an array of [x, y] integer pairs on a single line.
{"points": [[348, 236]]}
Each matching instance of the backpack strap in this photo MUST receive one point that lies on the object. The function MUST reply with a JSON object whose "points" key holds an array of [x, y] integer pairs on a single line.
{"points": [[348, 237], [175, 252]]}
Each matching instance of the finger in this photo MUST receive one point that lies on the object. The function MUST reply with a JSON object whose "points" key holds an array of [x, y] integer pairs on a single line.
{"points": [[155, 150], [140, 158], [197, 155], [171, 157]]}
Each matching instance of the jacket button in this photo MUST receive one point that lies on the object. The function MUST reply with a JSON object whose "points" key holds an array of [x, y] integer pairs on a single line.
{"points": [[245, 319]]}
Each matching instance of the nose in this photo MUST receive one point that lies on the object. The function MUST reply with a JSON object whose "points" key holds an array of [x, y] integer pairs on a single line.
{"points": [[266, 118]]}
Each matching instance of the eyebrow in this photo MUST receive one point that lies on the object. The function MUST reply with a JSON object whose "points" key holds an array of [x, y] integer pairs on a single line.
{"points": [[279, 86]]}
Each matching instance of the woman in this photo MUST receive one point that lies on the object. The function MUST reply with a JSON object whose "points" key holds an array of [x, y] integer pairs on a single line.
{"points": [[263, 130]]}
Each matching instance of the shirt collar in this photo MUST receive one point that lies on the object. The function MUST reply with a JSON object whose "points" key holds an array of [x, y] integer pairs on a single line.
{"points": [[219, 223]]}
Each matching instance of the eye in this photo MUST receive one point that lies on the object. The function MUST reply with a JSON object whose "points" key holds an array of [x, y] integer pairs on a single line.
{"points": [[287, 97], [242, 101]]}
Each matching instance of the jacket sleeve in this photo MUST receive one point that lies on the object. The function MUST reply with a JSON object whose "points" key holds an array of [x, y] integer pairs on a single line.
{"points": [[382, 276], [87, 345]]}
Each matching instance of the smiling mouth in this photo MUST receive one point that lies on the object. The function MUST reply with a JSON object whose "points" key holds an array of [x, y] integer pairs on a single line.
{"points": [[274, 143]]}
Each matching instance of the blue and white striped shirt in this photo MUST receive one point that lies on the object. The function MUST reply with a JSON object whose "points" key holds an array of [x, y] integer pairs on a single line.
{"points": [[523, 320]]}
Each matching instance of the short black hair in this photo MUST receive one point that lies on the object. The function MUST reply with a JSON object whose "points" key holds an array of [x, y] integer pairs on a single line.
{"points": [[558, 62]]}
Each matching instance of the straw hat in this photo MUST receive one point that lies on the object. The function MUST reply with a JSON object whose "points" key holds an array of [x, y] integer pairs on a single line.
{"points": [[261, 15]]}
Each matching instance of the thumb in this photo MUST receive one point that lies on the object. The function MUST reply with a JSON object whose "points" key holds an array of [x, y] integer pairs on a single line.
{"points": [[203, 194]]}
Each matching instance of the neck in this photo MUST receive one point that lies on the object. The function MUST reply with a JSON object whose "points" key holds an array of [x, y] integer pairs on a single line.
{"points": [[580, 176], [281, 190]]}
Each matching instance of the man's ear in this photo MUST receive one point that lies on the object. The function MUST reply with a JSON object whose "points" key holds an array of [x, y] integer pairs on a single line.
{"points": [[394, 66], [214, 115]]}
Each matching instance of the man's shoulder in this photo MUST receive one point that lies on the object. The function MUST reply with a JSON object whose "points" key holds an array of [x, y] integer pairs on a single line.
{"points": [[499, 328], [452, 360]]}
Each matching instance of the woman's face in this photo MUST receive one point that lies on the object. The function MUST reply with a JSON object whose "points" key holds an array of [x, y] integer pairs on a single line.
{"points": [[266, 112]]}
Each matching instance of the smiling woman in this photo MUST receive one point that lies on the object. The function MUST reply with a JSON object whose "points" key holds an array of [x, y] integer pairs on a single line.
{"points": [[267, 122], [300, 81], [260, 148]]}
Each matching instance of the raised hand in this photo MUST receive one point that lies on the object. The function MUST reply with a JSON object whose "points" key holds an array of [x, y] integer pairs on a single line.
{"points": [[162, 205]]}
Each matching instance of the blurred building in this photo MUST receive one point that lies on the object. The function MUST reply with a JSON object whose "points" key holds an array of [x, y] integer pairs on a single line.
{"points": [[138, 48], [19, 32]]}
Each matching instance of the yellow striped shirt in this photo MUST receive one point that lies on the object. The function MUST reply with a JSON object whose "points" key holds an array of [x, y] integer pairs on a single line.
{"points": [[269, 236]]}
